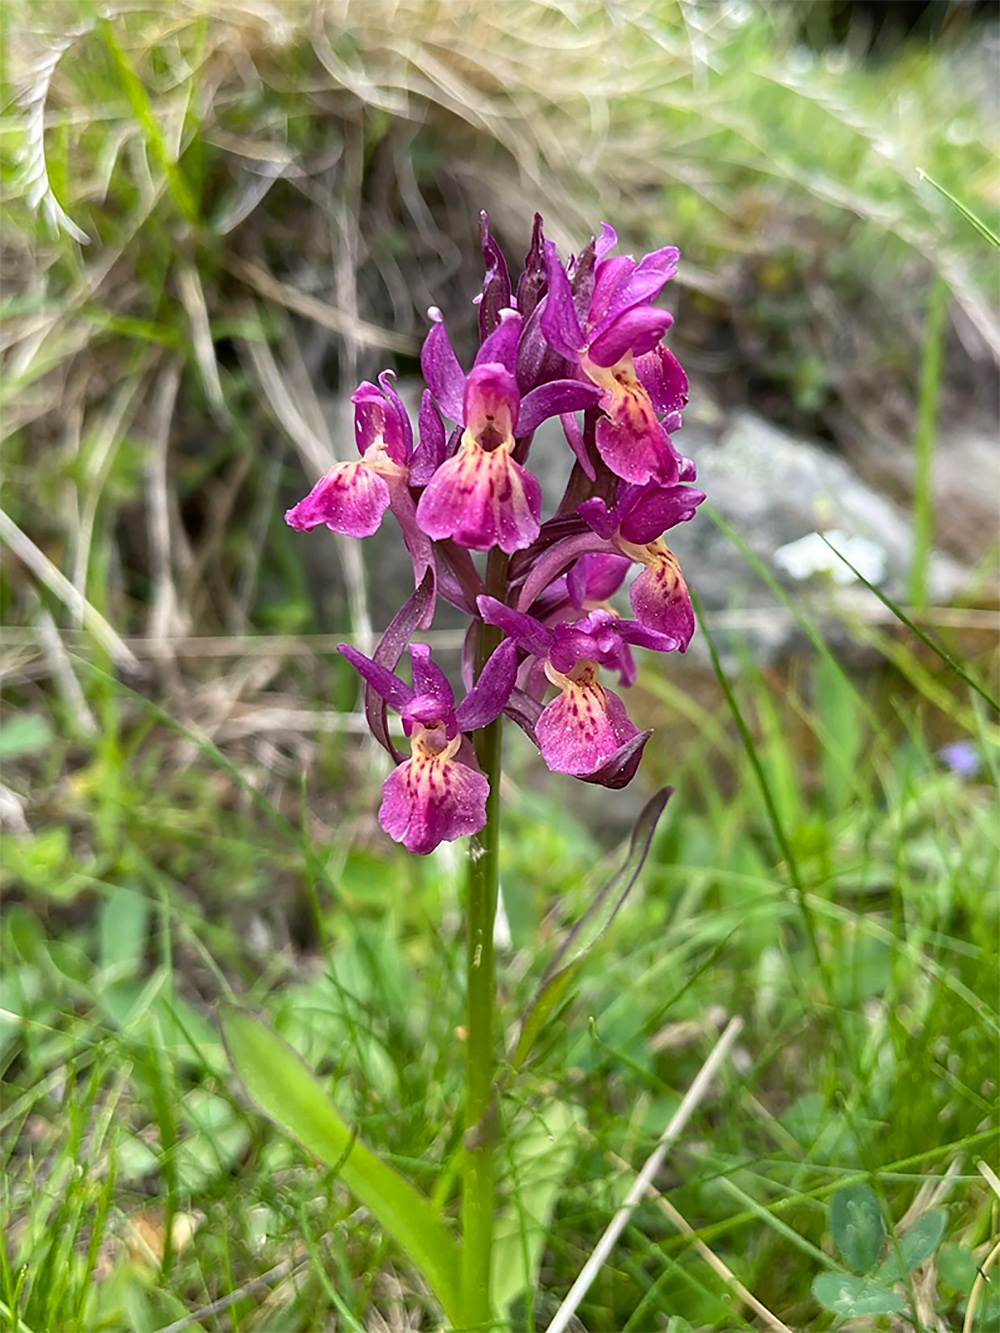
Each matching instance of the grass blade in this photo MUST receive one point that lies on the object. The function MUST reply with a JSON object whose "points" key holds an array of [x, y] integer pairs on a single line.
{"points": [[289, 1095], [966, 213], [922, 635]]}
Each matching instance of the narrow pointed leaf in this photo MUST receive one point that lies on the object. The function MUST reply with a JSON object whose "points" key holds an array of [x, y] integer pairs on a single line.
{"points": [[289, 1095], [922, 635], [549, 997], [985, 231], [398, 634], [589, 929]]}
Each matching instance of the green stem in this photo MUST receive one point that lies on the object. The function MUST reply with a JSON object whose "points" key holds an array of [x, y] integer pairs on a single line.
{"points": [[481, 1120]]}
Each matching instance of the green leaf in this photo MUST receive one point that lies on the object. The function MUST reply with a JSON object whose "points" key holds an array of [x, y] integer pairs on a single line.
{"points": [[548, 998], [589, 929], [850, 1296], [289, 1095], [918, 1244], [956, 1270], [856, 1226], [542, 1157], [123, 927], [26, 734], [220, 1137]]}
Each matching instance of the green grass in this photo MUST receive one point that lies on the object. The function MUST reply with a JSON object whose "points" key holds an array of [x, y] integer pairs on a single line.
{"points": [[204, 830], [847, 915]]}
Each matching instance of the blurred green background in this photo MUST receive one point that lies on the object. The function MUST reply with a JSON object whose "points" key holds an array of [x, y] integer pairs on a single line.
{"points": [[216, 218]]}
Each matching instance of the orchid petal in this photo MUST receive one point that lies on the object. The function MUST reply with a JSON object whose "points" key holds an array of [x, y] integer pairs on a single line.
{"points": [[623, 765], [430, 680], [648, 279], [432, 798], [582, 728], [557, 559], [686, 470], [501, 346], [429, 453], [663, 378], [553, 399], [398, 417], [660, 599], [657, 509], [609, 277], [525, 630], [626, 666], [492, 404], [606, 242], [559, 319], [350, 499], [380, 419], [596, 576], [657, 641], [488, 697], [634, 445], [636, 330], [597, 516], [445, 377], [386, 683], [482, 499]]}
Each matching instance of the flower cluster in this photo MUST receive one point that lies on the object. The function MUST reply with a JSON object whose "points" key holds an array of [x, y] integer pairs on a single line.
{"points": [[581, 342]]}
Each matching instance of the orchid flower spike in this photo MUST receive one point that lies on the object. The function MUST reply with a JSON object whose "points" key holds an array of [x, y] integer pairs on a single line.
{"points": [[560, 341]]}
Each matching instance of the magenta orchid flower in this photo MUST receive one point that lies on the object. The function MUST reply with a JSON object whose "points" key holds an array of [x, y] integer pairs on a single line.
{"points": [[482, 496], [617, 348], [439, 793], [594, 578], [352, 497], [586, 726], [586, 586], [584, 338], [632, 528], [658, 595]]}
